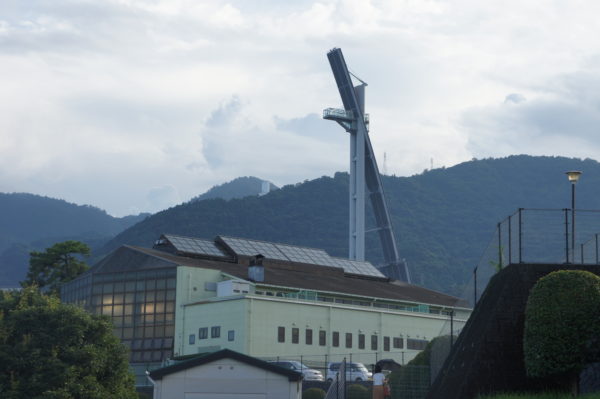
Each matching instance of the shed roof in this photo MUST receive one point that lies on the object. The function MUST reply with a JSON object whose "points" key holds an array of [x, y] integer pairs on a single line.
{"points": [[224, 354]]}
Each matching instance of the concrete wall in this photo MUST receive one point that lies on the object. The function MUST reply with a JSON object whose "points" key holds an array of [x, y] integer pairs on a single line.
{"points": [[226, 379]]}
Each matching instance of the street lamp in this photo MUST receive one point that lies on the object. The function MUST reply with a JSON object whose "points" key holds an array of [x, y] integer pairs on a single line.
{"points": [[573, 176]]}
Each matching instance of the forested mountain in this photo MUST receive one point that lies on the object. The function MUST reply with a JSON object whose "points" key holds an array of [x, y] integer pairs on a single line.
{"points": [[32, 222], [237, 188], [443, 218]]}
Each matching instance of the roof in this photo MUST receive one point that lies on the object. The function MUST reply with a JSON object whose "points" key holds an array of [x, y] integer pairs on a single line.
{"points": [[286, 274], [224, 354]]}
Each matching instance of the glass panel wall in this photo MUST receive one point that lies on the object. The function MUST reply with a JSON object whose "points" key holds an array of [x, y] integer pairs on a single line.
{"points": [[141, 305]]}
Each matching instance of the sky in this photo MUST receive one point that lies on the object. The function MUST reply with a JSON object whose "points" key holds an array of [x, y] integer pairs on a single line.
{"points": [[138, 105]]}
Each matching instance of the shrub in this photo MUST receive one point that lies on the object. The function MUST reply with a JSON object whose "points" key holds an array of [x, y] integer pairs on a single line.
{"points": [[562, 323], [357, 391], [313, 393]]}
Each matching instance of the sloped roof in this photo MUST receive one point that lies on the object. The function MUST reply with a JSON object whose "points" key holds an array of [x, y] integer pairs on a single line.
{"points": [[225, 354], [288, 274]]}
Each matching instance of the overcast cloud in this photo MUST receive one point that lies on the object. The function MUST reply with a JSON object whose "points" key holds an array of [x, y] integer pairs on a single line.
{"points": [[137, 105]]}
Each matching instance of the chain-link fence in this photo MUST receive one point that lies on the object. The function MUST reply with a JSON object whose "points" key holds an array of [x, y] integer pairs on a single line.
{"points": [[526, 236]]}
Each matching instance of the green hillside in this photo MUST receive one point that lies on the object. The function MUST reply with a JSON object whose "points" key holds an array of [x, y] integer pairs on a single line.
{"points": [[237, 188], [32, 222], [443, 218]]}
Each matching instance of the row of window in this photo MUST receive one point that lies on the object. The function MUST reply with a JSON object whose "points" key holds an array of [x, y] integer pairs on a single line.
{"points": [[215, 332], [388, 342]]}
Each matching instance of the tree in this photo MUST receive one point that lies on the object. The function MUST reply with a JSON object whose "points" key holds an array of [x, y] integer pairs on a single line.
{"points": [[562, 325], [51, 350], [56, 265]]}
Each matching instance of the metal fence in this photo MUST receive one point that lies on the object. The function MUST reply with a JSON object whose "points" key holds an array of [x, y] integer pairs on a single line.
{"points": [[529, 235], [548, 236], [320, 362]]}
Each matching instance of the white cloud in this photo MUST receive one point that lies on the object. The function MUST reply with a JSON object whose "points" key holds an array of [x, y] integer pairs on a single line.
{"points": [[132, 96]]}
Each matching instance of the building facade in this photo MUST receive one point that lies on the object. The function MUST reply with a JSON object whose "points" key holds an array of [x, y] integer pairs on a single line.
{"points": [[268, 300]]}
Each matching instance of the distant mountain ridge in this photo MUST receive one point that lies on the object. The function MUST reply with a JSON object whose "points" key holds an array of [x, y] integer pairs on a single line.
{"points": [[33, 222], [443, 218], [237, 188]]}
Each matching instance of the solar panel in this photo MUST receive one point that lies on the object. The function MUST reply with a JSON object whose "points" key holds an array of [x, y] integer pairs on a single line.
{"points": [[251, 247], [195, 246], [294, 253]]}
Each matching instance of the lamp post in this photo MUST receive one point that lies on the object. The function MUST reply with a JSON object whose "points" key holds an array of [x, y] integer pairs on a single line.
{"points": [[573, 176]]}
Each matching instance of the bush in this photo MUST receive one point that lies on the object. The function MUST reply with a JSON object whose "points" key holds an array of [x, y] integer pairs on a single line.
{"points": [[562, 324], [313, 393], [357, 391]]}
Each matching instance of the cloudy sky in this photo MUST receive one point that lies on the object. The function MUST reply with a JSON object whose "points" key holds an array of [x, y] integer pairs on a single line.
{"points": [[137, 105]]}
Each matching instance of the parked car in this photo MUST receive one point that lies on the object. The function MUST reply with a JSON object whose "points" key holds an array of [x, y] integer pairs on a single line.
{"points": [[354, 371], [308, 373]]}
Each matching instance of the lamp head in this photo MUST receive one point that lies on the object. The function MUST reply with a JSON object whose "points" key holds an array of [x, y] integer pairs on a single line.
{"points": [[573, 175]]}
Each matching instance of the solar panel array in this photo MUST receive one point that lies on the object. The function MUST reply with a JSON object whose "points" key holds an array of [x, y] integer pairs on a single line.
{"points": [[293, 253], [195, 246]]}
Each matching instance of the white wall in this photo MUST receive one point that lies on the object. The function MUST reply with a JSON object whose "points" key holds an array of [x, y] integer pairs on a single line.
{"points": [[226, 379]]}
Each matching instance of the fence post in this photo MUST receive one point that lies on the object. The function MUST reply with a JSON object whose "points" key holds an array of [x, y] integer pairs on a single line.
{"points": [[510, 240], [566, 210], [475, 286], [520, 237], [500, 245], [596, 236], [451, 328]]}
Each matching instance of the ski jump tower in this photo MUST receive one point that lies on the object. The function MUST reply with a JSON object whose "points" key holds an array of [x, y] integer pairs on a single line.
{"points": [[364, 173]]}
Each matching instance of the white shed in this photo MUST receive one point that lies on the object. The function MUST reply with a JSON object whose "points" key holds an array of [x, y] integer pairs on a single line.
{"points": [[225, 374]]}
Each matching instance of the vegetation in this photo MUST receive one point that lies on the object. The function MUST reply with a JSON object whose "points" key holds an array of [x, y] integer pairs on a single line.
{"points": [[56, 265], [50, 350], [314, 393], [547, 395], [32, 223], [237, 188], [562, 324], [443, 218], [357, 391]]}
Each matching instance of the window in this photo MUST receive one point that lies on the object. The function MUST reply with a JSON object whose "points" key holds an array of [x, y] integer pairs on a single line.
{"points": [[192, 339], [398, 343], [215, 332], [373, 342], [348, 340], [230, 335], [203, 333], [386, 344], [416, 344], [361, 341], [295, 335], [322, 338], [280, 334], [335, 339], [308, 336]]}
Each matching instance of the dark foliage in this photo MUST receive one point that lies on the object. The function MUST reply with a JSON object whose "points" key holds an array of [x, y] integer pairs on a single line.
{"points": [[562, 324], [51, 350], [56, 265], [313, 393]]}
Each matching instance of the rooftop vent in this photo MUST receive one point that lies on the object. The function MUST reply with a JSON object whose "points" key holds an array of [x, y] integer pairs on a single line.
{"points": [[256, 270]]}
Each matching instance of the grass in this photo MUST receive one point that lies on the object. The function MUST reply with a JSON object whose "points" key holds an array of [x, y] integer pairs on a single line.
{"points": [[560, 395]]}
